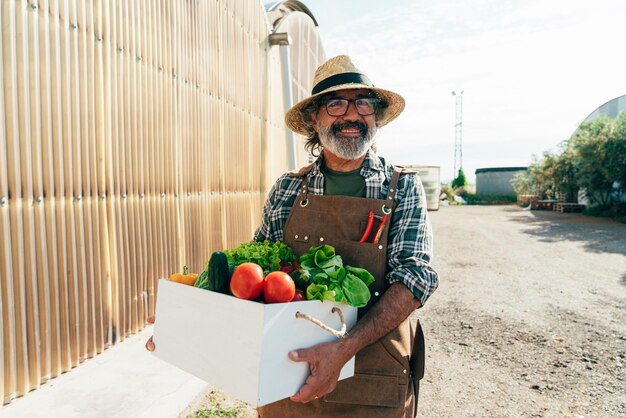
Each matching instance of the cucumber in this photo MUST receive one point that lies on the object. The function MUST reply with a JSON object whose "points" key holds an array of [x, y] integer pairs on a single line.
{"points": [[216, 277]]}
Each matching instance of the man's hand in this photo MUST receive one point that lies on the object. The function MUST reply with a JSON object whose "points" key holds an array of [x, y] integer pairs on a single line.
{"points": [[326, 360], [325, 363], [149, 343]]}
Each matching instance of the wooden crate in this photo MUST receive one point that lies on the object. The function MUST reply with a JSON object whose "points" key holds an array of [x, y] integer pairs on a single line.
{"points": [[542, 205], [568, 207]]}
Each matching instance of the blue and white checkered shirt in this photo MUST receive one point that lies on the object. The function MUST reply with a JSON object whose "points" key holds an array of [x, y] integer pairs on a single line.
{"points": [[410, 242]]}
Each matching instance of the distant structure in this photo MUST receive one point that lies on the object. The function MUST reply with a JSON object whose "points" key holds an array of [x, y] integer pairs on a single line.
{"points": [[429, 174], [458, 133], [612, 109], [497, 180]]}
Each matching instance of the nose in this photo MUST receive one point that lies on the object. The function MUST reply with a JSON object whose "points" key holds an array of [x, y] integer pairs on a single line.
{"points": [[351, 112]]}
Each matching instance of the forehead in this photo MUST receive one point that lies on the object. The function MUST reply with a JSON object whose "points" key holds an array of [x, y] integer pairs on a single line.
{"points": [[350, 93]]}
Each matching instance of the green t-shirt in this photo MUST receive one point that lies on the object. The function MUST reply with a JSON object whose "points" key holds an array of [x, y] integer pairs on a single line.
{"points": [[340, 183]]}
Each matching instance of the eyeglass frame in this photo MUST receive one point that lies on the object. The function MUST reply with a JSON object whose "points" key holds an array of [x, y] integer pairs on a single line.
{"points": [[376, 102]]}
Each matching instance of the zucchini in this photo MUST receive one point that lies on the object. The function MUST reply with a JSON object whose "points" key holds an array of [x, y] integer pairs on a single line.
{"points": [[216, 277]]}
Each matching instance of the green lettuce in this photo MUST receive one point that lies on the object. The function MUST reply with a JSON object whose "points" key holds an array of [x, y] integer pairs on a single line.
{"points": [[328, 279], [271, 256]]}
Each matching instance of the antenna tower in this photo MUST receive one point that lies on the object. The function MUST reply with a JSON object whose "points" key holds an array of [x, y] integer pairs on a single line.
{"points": [[458, 133]]}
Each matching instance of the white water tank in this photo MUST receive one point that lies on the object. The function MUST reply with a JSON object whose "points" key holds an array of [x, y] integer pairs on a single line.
{"points": [[432, 183]]}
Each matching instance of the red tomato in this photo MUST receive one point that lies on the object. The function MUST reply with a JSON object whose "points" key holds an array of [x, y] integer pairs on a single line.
{"points": [[299, 296], [278, 287], [247, 281]]}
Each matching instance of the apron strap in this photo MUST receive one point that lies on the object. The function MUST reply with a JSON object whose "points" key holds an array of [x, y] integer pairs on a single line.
{"points": [[393, 186], [304, 188]]}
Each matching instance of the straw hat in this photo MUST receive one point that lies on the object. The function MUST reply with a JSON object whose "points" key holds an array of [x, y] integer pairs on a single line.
{"points": [[339, 73]]}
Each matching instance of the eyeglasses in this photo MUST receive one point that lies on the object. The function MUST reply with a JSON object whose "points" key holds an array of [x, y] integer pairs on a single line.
{"points": [[365, 106]]}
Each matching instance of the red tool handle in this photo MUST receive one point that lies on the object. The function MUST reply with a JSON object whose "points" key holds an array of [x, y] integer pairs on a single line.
{"points": [[368, 228], [379, 231]]}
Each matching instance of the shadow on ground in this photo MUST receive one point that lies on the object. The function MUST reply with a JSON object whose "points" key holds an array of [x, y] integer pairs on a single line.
{"points": [[599, 235]]}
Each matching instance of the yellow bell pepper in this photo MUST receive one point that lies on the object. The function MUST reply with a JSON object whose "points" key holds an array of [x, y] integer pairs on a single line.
{"points": [[184, 277]]}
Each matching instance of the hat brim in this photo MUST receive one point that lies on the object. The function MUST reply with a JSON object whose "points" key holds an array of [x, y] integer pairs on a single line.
{"points": [[294, 118]]}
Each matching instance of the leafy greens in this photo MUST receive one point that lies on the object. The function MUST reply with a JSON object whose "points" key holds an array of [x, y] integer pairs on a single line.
{"points": [[330, 280], [266, 254]]}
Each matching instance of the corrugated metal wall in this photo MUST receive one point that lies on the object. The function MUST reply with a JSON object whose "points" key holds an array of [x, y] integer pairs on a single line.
{"points": [[135, 139], [496, 182]]}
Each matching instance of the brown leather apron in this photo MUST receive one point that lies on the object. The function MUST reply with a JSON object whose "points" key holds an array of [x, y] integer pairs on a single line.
{"points": [[387, 373]]}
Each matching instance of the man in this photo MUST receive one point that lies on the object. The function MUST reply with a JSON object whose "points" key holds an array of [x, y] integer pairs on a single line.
{"points": [[330, 202]]}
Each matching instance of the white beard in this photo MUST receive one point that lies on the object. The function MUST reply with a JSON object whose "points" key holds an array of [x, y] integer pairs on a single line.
{"points": [[346, 148]]}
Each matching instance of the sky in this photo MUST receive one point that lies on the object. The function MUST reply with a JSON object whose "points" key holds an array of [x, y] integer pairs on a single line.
{"points": [[530, 72]]}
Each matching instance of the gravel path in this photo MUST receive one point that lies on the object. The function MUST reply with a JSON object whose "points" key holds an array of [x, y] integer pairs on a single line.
{"points": [[530, 316]]}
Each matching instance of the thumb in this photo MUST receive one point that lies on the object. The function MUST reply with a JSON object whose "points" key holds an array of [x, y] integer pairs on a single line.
{"points": [[299, 355]]}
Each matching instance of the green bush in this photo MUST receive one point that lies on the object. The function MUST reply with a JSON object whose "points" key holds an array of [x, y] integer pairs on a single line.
{"points": [[459, 181], [615, 210], [520, 183], [449, 192], [474, 199], [593, 210]]}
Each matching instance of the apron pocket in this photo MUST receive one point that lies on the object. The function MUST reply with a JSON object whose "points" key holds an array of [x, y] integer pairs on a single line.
{"points": [[369, 390]]}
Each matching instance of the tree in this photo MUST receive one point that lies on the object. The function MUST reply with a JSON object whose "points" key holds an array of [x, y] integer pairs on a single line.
{"points": [[564, 175], [520, 183], [459, 181], [540, 176], [592, 161], [616, 153]]}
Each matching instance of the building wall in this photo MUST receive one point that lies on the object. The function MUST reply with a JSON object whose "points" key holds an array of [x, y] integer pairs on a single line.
{"points": [[496, 181], [612, 109]]}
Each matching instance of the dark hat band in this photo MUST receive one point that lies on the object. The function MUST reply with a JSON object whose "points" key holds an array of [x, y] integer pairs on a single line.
{"points": [[343, 78]]}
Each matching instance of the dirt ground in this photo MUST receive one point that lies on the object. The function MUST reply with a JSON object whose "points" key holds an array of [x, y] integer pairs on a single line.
{"points": [[529, 319], [530, 316]]}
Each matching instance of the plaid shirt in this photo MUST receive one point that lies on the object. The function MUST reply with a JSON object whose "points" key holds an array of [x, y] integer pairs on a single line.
{"points": [[410, 243]]}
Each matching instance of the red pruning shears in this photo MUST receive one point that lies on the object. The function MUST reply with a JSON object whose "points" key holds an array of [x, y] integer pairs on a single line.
{"points": [[370, 226]]}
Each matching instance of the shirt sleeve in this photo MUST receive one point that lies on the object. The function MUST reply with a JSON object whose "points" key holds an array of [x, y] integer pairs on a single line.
{"points": [[277, 209], [263, 231], [410, 243]]}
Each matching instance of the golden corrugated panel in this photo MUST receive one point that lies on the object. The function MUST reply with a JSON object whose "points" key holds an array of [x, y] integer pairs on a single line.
{"points": [[136, 137]]}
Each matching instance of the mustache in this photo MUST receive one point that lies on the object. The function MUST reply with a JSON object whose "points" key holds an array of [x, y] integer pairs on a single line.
{"points": [[362, 127]]}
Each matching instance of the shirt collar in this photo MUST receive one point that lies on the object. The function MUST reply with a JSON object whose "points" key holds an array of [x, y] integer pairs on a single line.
{"points": [[372, 161]]}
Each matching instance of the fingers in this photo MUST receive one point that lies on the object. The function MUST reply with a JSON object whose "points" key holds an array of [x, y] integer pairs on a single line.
{"points": [[313, 388], [305, 394], [150, 345]]}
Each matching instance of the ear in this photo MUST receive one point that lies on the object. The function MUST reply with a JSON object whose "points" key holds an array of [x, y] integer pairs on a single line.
{"points": [[313, 121]]}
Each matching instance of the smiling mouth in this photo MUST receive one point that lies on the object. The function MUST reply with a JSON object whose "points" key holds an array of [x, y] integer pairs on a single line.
{"points": [[350, 129], [350, 132]]}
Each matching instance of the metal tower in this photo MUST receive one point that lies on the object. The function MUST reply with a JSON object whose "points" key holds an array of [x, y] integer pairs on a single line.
{"points": [[458, 133]]}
